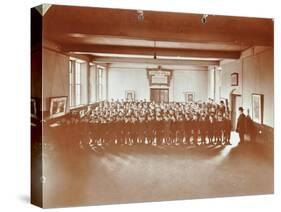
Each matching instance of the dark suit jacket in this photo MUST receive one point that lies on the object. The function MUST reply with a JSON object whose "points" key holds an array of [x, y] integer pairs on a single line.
{"points": [[241, 123]]}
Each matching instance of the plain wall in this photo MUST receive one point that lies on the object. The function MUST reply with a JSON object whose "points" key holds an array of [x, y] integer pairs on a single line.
{"points": [[120, 80], [211, 83], [55, 67], [190, 81]]}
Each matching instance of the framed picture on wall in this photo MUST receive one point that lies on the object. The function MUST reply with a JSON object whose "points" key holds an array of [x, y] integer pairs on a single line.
{"points": [[257, 108], [58, 106], [159, 76], [234, 79], [130, 95], [33, 109], [189, 96]]}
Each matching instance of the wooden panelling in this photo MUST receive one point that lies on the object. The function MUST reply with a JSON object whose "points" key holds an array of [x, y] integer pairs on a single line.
{"points": [[264, 133]]}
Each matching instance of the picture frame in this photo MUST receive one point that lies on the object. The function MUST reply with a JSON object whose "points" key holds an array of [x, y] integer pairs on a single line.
{"points": [[257, 108], [189, 96], [159, 76], [234, 79], [130, 95], [58, 106], [33, 109]]}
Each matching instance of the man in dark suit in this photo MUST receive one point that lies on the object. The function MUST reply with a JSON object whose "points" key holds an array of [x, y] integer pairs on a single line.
{"points": [[241, 125]]}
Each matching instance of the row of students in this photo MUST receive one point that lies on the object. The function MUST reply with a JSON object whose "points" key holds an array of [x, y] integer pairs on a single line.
{"points": [[150, 123], [160, 130]]}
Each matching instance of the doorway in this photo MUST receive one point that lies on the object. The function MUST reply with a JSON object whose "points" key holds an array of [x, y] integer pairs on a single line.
{"points": [[159, 94]]}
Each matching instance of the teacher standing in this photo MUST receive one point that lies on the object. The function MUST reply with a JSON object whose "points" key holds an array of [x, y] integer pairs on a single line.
{"points": [[241, 125]]}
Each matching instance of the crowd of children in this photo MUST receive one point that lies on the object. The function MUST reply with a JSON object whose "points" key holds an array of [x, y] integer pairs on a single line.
{"points": [[149, 123]]}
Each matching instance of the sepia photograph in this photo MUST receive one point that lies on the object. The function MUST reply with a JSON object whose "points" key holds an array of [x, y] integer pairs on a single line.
{"points": [[57, 106], [234, 79], [141, 106], [257, 108], [130, 95], [189, 96]]}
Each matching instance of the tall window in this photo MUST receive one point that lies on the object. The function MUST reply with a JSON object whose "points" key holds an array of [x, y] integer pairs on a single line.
{"points": [[74, 83]]}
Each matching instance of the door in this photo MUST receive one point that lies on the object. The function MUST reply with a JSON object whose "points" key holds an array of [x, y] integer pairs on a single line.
{"points": [[159, 95], [236, 102]]}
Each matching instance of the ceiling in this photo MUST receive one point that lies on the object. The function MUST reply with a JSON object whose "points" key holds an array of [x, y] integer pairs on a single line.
{"points": [[117, 35]]}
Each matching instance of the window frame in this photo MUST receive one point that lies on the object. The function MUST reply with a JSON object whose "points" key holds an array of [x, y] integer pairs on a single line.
{"points": [[74, 84]]}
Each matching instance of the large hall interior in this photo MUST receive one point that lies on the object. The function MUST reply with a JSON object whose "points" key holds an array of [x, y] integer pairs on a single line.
{"points": [[120, 95]]}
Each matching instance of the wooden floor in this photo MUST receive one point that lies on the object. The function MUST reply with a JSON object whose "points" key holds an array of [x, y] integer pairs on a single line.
{"points": [[142, 173]]}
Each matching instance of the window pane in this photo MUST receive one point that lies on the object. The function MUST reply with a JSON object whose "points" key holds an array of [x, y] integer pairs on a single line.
{"points": [[100, 74], [77, 94], [78, 73], [92, 84]]}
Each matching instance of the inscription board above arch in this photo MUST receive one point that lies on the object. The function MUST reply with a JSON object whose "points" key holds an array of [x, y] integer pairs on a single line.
{"points": [[159, 76]]}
